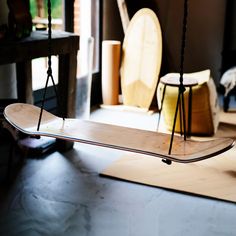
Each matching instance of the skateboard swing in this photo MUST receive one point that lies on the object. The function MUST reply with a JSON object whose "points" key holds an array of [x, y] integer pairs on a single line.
{"points": [[36, 121]]}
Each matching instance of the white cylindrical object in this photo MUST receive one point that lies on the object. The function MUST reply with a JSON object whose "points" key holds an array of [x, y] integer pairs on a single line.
{"points": [[110, 71]]}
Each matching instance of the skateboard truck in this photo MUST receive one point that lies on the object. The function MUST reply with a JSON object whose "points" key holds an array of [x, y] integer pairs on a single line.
{"points": [[167, 161]]}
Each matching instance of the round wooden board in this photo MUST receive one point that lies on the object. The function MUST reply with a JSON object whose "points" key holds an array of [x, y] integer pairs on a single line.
{"points": [[141, 59]]}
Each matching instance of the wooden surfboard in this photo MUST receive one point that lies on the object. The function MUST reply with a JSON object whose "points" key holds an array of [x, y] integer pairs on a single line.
{"points": [[141, 59], [25, 118]]}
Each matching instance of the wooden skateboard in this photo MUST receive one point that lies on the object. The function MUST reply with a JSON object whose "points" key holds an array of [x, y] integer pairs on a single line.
{"points": [[25, 118]]}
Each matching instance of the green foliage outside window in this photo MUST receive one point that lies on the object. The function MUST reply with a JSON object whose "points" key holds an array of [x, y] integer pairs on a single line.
{"points": [[56, 8]]}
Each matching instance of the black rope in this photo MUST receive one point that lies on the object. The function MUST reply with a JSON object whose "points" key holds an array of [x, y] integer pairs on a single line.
{"points": [[183, 44], [49, 71], [161, 107], [180, 100], [173, 128]]}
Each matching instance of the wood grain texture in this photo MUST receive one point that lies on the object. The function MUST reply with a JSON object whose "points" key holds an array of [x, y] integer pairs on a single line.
{"points": [[25, 118], [141, 59], [213, 178]]}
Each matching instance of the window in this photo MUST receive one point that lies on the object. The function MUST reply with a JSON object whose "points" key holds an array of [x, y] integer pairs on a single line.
{"points": [[88, 26]]}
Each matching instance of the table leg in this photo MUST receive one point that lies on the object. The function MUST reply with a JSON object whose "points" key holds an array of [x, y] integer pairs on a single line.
{"points": [[161, 107], [67, 89], [67, 84], [189, 111], [24, 81]]}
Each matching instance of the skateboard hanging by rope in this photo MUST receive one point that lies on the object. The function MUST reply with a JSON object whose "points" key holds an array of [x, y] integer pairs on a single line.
{"points": [[36, 121], [25, 118]]}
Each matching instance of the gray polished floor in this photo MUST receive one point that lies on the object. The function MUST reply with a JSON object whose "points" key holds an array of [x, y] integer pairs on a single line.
{"points": [[63, 194]]}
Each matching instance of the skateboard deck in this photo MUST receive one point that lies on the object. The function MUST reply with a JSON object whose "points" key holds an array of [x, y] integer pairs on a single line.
{"points": [[25, 118], [141, 59]]}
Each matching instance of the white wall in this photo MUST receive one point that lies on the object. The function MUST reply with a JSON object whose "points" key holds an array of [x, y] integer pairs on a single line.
{"points": [[205, 34]]}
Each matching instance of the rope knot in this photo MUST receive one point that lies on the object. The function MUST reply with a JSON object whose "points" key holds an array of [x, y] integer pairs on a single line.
{"points": [[49, 71], [181, 88]]}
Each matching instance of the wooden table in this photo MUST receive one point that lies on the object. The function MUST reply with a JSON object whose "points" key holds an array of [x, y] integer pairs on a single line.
{"points": [[21, 52]]}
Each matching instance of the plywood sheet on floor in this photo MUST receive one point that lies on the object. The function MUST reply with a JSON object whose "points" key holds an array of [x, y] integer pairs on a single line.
{"points": [[215, 177]]}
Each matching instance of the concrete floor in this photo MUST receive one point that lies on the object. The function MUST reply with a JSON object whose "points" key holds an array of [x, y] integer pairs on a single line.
{"points": [[63, 194]]}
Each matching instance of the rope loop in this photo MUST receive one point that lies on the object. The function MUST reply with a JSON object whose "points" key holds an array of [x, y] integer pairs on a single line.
{"points": [[180, 100], [49, 70]]}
